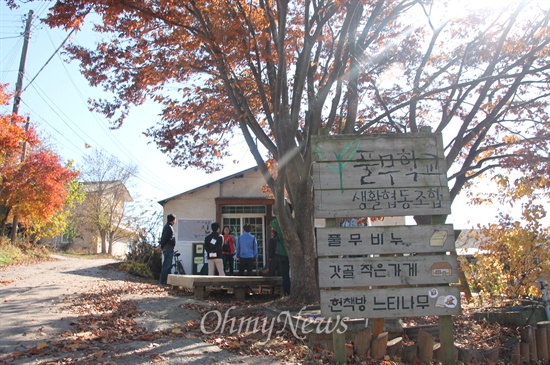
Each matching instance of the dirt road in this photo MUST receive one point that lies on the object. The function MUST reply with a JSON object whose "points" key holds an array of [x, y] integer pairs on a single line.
{"points": [[38, 319]]}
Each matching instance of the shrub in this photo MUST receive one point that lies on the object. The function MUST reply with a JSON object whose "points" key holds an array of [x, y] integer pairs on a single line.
{"points": [[143, 259], [510, 261]]}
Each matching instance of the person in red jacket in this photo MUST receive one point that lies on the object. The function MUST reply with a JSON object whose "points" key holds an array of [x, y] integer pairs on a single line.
{"points": [[228, 250]]}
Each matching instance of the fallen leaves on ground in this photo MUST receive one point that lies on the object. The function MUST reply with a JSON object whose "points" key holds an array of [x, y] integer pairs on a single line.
{"points": [[106, 318]]}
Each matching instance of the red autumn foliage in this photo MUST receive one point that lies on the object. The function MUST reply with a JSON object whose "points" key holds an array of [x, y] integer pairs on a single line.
{"points": [[34, 187]]}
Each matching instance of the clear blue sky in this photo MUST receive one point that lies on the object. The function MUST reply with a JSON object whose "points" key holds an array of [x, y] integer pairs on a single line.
{"points": [[56, 102]]}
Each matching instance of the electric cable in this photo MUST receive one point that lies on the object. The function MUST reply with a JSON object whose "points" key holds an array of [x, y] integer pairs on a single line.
{"points": [[113, 138], [148, 179]]}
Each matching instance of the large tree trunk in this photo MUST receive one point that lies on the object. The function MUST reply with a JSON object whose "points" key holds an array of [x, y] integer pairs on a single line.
{"points": [[14, 229], [103, 236], [4, 212], [299, 233], [303, 260]]}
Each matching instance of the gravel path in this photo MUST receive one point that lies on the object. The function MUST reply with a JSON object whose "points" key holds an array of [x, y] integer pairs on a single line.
{"points": [[33, 310]]}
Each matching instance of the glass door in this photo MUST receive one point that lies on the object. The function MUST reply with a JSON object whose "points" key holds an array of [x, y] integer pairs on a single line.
{"points": [[257, 228]]}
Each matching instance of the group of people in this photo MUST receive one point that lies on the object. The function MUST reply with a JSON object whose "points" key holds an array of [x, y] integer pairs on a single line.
{"points": [[221, 250]]}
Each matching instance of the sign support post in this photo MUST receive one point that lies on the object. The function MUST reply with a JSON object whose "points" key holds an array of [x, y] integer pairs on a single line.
{"points": [[446, 337], [338, 339]]}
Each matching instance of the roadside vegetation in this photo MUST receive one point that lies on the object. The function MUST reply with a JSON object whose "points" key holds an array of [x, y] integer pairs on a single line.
{"points": [[143, 260], [21, 254]]}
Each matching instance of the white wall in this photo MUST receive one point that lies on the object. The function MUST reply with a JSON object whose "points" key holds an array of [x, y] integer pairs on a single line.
{"points": [[199, 204], [249, 186]]}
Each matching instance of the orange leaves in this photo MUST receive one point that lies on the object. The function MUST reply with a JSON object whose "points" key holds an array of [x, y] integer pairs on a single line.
{"points": [[511, 139], [12, 131], [36, 188], [5, 97], [33, 186]]}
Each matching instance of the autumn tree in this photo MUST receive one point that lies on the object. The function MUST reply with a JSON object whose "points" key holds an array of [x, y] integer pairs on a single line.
{"points": [[281, 72], [512, 257], [63, 222], [514, 253], [13, 137], [103, 212], [34, 188]]}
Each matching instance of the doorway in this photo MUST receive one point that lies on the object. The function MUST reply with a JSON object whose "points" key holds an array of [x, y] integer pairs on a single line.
{"points": [[236, 223]]}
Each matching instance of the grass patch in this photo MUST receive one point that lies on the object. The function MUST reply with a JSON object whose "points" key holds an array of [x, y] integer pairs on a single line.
{"points": [[17, 254]]}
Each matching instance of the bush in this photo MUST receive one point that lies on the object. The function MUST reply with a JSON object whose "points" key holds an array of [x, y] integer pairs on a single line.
{"points": [[16, 254], [510, 261], [143, 259], [137, 268]]}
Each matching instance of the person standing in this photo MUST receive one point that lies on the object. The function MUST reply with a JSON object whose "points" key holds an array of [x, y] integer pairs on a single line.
{"points": [[247, 251], [273, 258], [167, 244], [228, 249], [281, 255], [213, 245]]}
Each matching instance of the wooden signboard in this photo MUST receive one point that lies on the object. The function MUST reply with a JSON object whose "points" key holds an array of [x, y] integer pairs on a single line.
{"points": [[391, 302], [377, 176], [380, 271], [382, 202], [385, 240], [380, 175]]}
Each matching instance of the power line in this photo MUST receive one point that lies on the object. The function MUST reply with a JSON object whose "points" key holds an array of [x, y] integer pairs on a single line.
{"points": [[110, 135], [64, 116], [149, 180], [49, 59]]}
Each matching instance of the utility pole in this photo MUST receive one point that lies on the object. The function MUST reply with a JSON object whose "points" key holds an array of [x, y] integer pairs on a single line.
{"points": [[22, 64], [17, 102]]}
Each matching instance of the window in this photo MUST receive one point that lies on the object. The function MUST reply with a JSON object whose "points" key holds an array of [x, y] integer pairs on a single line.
{"points": [[243, 209]]}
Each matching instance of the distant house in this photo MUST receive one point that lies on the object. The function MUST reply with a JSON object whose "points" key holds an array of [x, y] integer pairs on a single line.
{"points": [[81, 235]]}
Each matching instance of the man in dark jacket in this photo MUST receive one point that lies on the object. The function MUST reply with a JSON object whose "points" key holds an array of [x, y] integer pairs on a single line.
{"points": [[167, 244], [281, 255], [213, 246]]}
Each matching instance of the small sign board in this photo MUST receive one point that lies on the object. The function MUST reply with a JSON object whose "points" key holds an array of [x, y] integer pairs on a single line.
{"points": [[385, 240], [380, 175], [391, 302], [380, 271], [193, 229], [379, 202]]}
